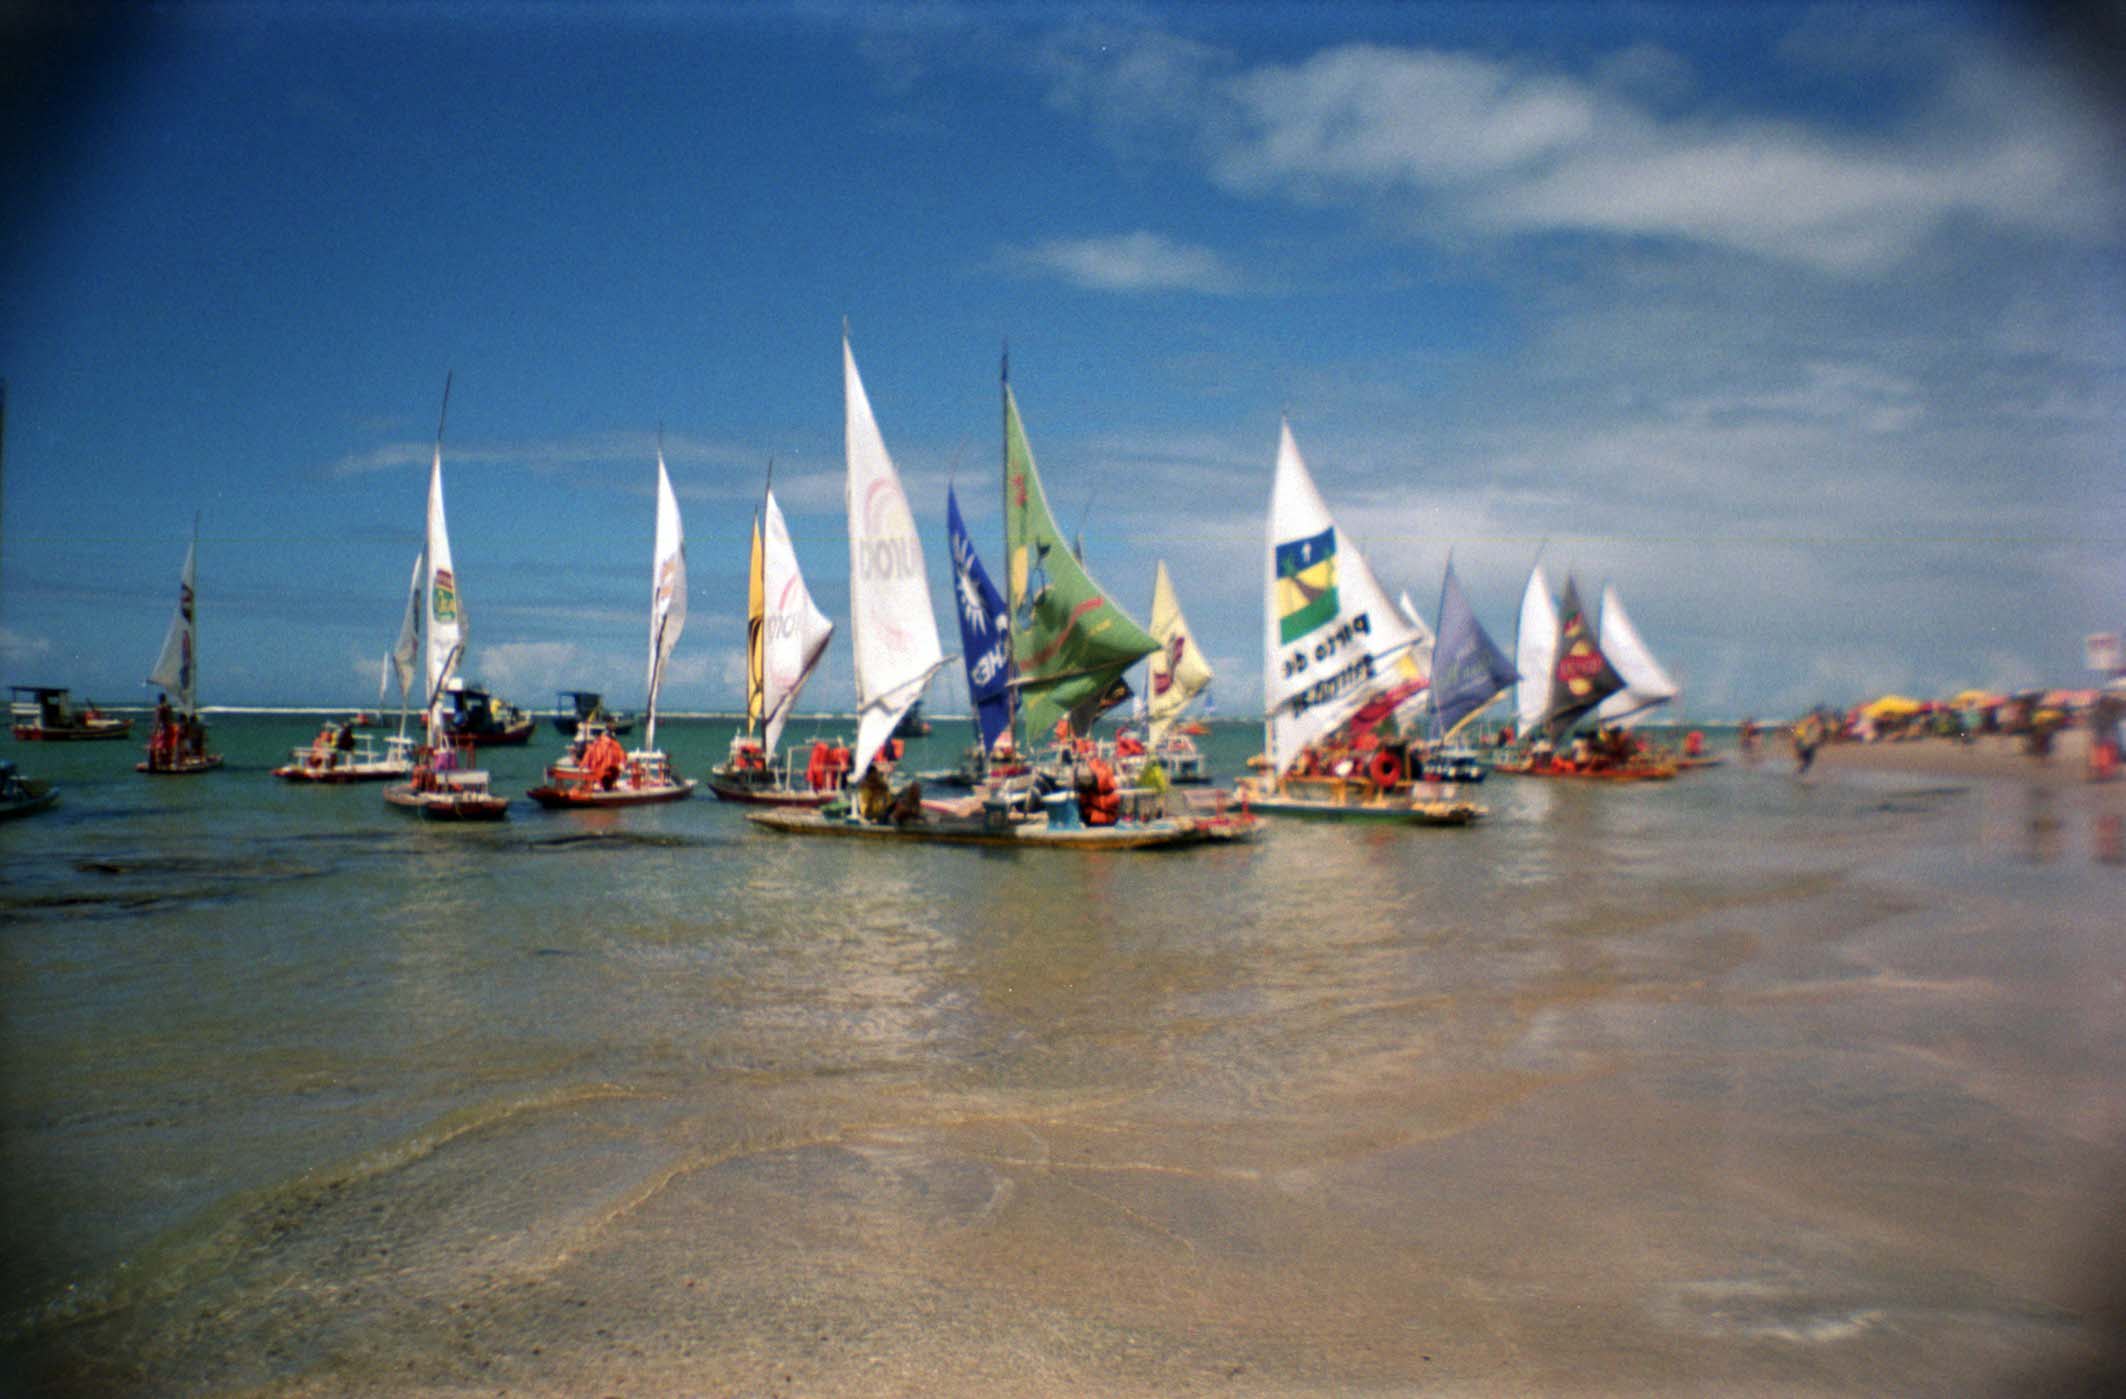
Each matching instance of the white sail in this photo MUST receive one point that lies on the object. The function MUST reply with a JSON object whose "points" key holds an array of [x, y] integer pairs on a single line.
{"points": [[1415, 664], [894, 636], [407, 648], [177, 667], [446, 611], [794, 631], [1178, 670], [1535, 652], [668, 591], [1646, 685], [1331, 636]]}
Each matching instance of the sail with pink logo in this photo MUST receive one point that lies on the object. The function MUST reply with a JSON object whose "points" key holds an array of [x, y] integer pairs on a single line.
{"points": [[893, 633]]}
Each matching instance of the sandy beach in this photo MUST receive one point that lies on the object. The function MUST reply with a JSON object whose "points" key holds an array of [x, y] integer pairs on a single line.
{"points": [[1989, 756]]}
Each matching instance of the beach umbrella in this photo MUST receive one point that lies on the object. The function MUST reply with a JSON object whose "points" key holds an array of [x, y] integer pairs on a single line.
{"points": [[1977, 699], [1891, 707]]}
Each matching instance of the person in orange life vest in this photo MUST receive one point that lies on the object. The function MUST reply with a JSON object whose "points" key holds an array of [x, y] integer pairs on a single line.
{"points": [[1128, 745], [894, 748], [1098, 802], [604, 761], [838, 762], [816, 765], [1694, 744]]}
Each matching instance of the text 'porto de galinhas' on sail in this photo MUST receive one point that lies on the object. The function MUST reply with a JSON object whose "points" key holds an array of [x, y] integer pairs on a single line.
{"points": [[1331, 635]]}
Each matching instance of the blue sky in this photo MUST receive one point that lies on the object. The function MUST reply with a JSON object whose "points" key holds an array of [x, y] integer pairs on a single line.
{"points": [[1804, 326]]}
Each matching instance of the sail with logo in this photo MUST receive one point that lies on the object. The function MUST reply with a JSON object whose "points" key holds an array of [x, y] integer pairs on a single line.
{"points": [[1333, 639], [443, 786], [893, 634], [1070, 641], [1582, 676], [985, 632]]}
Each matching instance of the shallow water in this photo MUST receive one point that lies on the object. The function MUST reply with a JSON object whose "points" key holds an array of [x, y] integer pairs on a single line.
{"points": [[1736, 1082]]}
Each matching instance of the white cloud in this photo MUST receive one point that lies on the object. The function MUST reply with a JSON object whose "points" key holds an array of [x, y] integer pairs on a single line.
{"points": [[1449, 143], [16, 646], [1128, 262]]}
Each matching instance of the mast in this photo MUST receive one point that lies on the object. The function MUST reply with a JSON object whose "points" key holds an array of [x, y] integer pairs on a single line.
{"points": [[1021, 743]]}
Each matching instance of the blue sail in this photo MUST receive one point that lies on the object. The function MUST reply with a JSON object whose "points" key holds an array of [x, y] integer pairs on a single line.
{"points": [[1468, 669], [985, 631]]}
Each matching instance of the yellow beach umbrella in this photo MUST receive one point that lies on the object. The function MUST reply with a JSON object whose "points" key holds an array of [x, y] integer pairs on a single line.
{"points": [[1977, 699], [1891, 707]]}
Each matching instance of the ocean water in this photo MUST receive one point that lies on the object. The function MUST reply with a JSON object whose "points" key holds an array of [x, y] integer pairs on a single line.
{"points": [[1741, 1082]]}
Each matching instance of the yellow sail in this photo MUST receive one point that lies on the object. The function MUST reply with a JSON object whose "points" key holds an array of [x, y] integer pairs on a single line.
{"points": [[756, 618], [1178, 670]]}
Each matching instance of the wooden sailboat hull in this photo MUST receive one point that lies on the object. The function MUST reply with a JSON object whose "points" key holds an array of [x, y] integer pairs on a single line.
{"points": [[181, 767], [756, 794], [1030, 835], [1643, 772], [448, 806], [1387, 811], [39, 797], [559, 796], [90, 731], [342, 775]]}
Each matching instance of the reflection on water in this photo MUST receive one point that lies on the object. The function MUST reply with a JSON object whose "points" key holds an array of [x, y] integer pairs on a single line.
{"points": [[1765, 1084]]}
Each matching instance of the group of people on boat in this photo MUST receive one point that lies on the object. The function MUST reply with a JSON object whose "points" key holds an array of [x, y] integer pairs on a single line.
{"points": [[178, 738], [1607, 749], [333, 741], [827, 766]]}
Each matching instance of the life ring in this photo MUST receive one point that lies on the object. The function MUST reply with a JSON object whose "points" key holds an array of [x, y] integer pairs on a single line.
{"points": [[1386, 769]]}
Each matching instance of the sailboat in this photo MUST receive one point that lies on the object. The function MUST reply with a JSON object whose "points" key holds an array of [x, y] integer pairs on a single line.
{"points": [[341, 753], [1535, 654], [1580, 678], [1069, 643], [985, 652], [444, 785], [1646, 685], [178, 747], [1175, 674], [595, 772], [1469, 672], [1333, 642], [786, 635]]}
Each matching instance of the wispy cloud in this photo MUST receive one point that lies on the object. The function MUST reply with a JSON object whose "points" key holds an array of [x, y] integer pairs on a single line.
{"points": [[1451, 143], [1130, 263]]}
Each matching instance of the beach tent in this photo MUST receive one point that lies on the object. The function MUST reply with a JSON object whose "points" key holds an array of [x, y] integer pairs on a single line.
{"points": [[1891, 707]]}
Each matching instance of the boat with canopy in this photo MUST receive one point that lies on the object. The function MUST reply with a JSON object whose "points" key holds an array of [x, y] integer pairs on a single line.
{"points": [[596, 772], [178, 746], [444, 785]]}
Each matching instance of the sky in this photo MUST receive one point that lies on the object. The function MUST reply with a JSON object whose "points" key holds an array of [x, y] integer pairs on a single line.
{"points": [[1804, 326]]}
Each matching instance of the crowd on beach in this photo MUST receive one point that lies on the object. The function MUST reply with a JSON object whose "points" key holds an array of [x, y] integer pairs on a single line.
{"points": [[2031, 721]]}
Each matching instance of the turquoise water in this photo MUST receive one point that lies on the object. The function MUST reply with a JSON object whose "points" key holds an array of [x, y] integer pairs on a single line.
{"points": [[1736, 1080]]}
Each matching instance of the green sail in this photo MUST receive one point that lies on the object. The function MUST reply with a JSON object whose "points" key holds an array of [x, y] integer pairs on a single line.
{"points": [[1069, 640]]}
